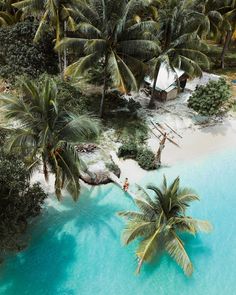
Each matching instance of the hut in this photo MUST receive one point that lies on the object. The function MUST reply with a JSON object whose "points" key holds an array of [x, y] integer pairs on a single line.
{"points": [[169, 83]]}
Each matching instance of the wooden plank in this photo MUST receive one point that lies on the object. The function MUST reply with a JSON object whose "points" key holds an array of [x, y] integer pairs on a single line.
{"points": [[163, 133], [172, 129]]}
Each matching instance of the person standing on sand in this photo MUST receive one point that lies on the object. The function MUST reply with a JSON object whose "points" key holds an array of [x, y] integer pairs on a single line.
{"points": [[126, 185]]}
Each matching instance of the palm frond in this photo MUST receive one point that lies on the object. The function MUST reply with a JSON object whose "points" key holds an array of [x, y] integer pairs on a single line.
{"points": [[175, 248]]}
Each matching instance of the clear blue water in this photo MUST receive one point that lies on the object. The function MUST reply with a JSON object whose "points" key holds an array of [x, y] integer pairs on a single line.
{"points": [[78, 250]]}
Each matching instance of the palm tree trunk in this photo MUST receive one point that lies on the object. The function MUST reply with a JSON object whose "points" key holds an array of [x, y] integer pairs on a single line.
{"points": [[104, 87], [64, 52], [225, 48], [152, 100], [60, 64]]}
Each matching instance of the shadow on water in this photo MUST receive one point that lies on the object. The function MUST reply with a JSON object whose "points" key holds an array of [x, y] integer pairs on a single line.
{"points": [[44, 267], [39, 269]]}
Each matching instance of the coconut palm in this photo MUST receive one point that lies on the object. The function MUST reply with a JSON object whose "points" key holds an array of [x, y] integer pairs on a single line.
{"points": [[161, 220], [210, 16], [8, 14], [111, 33], [181, 46], [60, 14], [228, 27], [45, 133]]}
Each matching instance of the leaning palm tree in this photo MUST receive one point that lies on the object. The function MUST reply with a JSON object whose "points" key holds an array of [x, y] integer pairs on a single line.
{"points": [[110, 33], [181, 46], [161, 220], [44, 133]]}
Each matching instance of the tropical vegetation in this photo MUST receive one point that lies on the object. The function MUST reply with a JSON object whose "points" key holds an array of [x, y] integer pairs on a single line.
{"points": [[19, 203], [45, 133], [211, 99], [80, 59], [161, 221]]}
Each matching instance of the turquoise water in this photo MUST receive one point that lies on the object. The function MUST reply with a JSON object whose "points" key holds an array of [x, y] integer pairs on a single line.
{"points": [[76, 248]]}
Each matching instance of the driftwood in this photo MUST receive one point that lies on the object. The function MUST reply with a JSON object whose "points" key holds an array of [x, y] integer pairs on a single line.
{"points": [[163, 133], [159, 152], [85, 148], [172, 129]]}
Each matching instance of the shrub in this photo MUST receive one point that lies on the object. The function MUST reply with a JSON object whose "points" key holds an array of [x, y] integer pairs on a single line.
{"points": [[210, 99], [20, 55], [146, 159], [111, 166], [128, 150], [19, 202]]}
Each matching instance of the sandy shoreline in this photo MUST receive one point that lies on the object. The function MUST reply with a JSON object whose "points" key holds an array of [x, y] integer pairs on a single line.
{"points": [[196, 140], [196, 143]]}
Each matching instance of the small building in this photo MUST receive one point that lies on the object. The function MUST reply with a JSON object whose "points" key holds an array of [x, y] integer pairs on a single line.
{"points": [[168, 84]]}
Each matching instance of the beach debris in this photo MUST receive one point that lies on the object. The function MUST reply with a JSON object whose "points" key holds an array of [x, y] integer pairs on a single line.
{"points": [[163, 133], [86, 148], [159, 152]]}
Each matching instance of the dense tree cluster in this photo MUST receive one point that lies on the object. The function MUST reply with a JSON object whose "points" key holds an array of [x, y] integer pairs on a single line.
{"points": [[19, 202], [20, 55], [211, 99]]}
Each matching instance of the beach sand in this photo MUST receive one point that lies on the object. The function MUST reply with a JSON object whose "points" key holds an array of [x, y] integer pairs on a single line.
{"points": [[196, 143]]}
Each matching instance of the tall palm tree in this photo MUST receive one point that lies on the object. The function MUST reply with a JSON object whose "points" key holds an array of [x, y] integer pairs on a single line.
{"points": [[181, 46], [60, 14], [210, 16], [161, 220], [111, 33], [229, 26], [45, 133]]}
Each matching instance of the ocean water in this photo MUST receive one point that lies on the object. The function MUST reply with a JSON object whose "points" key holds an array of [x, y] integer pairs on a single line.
{"points": [[75, 249]]}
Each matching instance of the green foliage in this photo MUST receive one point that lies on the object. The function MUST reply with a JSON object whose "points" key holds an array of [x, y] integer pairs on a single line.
{"points": [[146, 159], [19, 202], [68, 96], [128, 150], [46, 133], [113, 168], [160, 220], [19, 55], [209, 100]]}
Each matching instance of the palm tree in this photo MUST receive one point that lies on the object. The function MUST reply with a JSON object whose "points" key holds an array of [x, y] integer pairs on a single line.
{"points": [[161, 220], [111, 33], [228, 28], [45, 133], [8, 14], [60, 14], [181, 46], [209, 14]]}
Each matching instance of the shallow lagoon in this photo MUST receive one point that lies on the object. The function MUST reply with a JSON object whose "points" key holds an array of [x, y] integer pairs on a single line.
{"points": [[76, 248]]}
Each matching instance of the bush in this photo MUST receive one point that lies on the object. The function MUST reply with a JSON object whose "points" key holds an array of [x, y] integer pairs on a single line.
{"points": [[210, 99], [19, 202], [146, 159], [128, 150], [20, 55], [111, 166]]}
